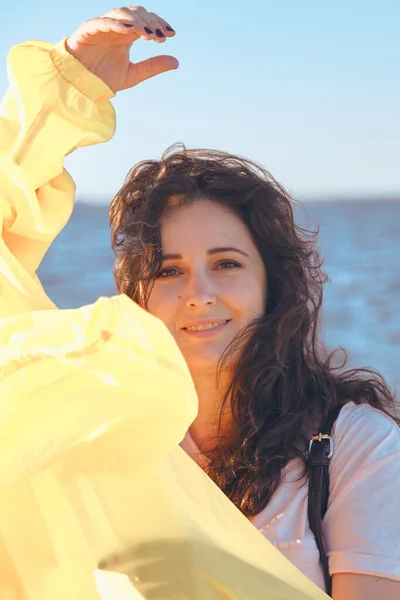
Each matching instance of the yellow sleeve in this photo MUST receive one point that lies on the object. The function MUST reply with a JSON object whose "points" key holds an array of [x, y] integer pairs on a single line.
{"points": [[53, 105], [94, 401], [97, 500]]}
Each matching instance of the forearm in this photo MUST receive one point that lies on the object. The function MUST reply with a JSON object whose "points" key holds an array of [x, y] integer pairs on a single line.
{"points": [[53, 106], [351, 586]]}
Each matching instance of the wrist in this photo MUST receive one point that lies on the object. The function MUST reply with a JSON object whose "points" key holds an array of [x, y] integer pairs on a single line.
{"points": [[77, 74]]}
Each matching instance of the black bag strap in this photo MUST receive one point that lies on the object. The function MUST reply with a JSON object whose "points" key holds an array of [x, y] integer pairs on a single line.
{"points": [[320, 452]]}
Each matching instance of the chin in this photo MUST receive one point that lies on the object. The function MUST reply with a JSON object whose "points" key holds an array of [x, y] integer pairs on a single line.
{"points": [[201, 363]]}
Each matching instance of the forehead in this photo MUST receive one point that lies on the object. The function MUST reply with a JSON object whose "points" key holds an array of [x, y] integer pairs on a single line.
{"points": [[204, 223]]}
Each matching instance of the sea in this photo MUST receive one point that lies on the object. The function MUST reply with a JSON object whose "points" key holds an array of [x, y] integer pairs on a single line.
{"points": [[359, 241]]}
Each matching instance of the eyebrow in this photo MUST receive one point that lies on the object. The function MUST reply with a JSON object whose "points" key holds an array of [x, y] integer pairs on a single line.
{"points": [[210, 252]]}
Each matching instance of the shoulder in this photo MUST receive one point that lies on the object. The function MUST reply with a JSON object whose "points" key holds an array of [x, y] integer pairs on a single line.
{"points": [[364, 440], [362, 523], [365, 432]]}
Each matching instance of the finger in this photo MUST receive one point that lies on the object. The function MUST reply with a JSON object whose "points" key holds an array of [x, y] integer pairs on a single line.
{"points": [[150, 24], [155, 22], [130, 17], [151, 67], [155, 25], [104, 25], [166, 27]]}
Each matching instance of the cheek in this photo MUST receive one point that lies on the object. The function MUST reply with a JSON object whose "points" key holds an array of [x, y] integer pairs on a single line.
{"points": [[247, 297], [253, 304], [163, 304]]}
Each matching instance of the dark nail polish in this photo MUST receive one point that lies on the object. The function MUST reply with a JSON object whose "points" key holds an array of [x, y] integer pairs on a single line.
{"points": [[159, 33], [168, 28], [148, 30], [128, 25]]}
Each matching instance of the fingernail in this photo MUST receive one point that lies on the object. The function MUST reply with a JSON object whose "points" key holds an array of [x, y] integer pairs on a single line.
{"points": [[159, 33], [168, 28], [148, 30], [128, 25]]}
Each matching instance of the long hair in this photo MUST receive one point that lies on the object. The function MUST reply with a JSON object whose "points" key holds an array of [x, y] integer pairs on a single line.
{"points": [[285, 382]]}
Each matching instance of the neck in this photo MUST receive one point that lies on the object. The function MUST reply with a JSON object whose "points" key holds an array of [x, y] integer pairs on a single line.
{"points": [[210, 392]]}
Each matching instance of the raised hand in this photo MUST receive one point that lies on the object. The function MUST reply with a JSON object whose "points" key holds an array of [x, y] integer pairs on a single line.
{"points": [[103, 46]]}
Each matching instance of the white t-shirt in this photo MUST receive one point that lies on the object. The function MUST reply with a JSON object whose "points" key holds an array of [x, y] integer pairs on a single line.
{"points": [[362, 524]]}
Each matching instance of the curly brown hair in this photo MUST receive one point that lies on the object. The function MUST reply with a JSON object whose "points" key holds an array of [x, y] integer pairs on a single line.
{"points": [[286, 381]]}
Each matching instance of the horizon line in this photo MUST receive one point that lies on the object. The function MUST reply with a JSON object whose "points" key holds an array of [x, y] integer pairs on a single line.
{"points": [[306, 199]]}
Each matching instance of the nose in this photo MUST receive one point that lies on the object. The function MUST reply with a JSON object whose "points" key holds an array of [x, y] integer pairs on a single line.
{"points": [[200, 292]]}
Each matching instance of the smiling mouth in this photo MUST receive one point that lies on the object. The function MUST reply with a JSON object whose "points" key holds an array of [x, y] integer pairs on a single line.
{"points": [[206, 326]]}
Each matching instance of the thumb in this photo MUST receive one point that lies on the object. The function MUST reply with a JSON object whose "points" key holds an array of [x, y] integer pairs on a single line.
{"points": [[148, 68]]}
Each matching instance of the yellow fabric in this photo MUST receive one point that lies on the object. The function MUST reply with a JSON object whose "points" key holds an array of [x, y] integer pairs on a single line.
{"points": [[95, 401]]}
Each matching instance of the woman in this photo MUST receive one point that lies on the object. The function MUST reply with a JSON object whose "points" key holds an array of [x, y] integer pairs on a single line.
{"points": [[207, 243]]}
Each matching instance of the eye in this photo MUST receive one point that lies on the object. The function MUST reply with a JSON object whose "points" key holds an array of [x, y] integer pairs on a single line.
{"points": [[168, 272], [228, 264]]}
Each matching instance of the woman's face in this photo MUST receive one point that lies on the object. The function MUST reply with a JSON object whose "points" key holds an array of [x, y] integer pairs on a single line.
{"points": [[212, 282]]}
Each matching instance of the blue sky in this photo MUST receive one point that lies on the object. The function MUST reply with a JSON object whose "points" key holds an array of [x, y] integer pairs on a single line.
{"points": [[309, 89]]}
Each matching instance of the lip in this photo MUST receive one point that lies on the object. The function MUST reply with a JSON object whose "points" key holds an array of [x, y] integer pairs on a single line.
{"points": [[203, 322], [205, 332]]}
